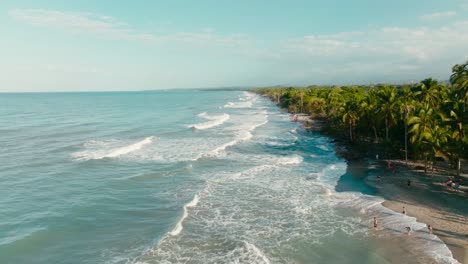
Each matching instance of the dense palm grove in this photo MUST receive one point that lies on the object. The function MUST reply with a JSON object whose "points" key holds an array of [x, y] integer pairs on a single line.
{"points": [[424, 121]]}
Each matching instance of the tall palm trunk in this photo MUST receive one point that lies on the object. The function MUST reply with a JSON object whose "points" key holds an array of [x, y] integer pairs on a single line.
{"points": [[386, 128], [375, 134], [302, 102], [425, 164], [406, 134], [406, 142]]}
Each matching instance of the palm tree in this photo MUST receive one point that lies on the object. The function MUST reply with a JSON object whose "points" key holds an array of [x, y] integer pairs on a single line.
{"points": [[459, 79], [369, 107], [457, 120], [335, 102], [458, 116], [406, 105], [351, 112], [429, 92], [388, 102], [427, 132]]}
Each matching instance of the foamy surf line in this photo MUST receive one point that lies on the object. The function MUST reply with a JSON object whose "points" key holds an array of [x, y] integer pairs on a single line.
{"points": [[178, 228], [257, 252], [391, 224], [428, 243], [244, 104], [88, 155], [242, 136], [215, 121]]}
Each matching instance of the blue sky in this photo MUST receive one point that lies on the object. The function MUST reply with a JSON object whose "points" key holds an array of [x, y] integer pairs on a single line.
{"points": [[138, 45]]}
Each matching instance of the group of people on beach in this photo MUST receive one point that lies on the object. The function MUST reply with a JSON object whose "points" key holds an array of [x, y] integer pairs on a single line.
{"points": [[408, 228], [452, 186], [390, 166]]}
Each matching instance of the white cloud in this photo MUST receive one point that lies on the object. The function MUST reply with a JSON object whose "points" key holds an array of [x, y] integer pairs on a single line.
{"points": [[109, 27], [384, 54], [373, 55], [438, 15]]}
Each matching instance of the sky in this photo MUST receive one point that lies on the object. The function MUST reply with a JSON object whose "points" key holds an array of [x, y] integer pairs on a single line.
{"points": [[112, 45]]}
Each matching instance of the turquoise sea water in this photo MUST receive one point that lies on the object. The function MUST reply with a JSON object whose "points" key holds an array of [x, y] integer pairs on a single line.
{"points": [[183, 177]]}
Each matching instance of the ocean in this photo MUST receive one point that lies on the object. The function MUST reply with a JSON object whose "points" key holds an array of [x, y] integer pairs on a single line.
{"points": [[184, 177]]}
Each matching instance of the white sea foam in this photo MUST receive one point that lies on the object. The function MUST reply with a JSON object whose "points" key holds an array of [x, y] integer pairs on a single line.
{"points": [[244, 104], [322, 147], [215, 120], [294, 159], [272, 208], [109, 151], [274, 204], [257, 251], [223, 147], [243, 132], [130, 148], [277, 144], [178, 228], [248, 94], [393, 224]]}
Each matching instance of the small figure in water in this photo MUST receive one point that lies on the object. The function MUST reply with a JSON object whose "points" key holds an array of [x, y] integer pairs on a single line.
{"points": [[408, 230], [375, 222], [404, 210], [429, 227], [409, 183], [379, 178]]}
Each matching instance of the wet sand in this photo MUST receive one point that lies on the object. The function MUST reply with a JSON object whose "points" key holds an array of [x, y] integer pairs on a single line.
{"points": [[428, 200]]}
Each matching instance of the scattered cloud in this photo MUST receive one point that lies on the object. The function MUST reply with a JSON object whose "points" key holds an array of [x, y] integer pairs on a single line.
{"points": [[109, 27], [372, 55], [387, 53], [438, 15]]}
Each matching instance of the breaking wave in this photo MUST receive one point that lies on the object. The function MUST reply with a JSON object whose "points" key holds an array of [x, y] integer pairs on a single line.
{"points": [[110, 151], [215, 120]]}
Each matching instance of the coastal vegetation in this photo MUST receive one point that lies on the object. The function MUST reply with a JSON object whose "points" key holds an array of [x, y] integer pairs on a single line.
{"points": [[425, 121]]}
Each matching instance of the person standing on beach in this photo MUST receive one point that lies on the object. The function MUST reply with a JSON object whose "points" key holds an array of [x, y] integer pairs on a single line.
{"points": [[429, 227], [404, 211], [408, 229], [449, 184], [375, 222]]}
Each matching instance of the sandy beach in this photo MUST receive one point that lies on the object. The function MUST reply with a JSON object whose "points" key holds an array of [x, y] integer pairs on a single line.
{"points": [[427, 199]]}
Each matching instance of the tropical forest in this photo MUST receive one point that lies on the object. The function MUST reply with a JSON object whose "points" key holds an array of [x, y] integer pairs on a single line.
{"points": [[425, 121]]}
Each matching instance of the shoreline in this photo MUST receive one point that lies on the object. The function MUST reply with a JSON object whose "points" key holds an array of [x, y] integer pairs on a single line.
{"points": [[427, 199], [429, 202]]}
